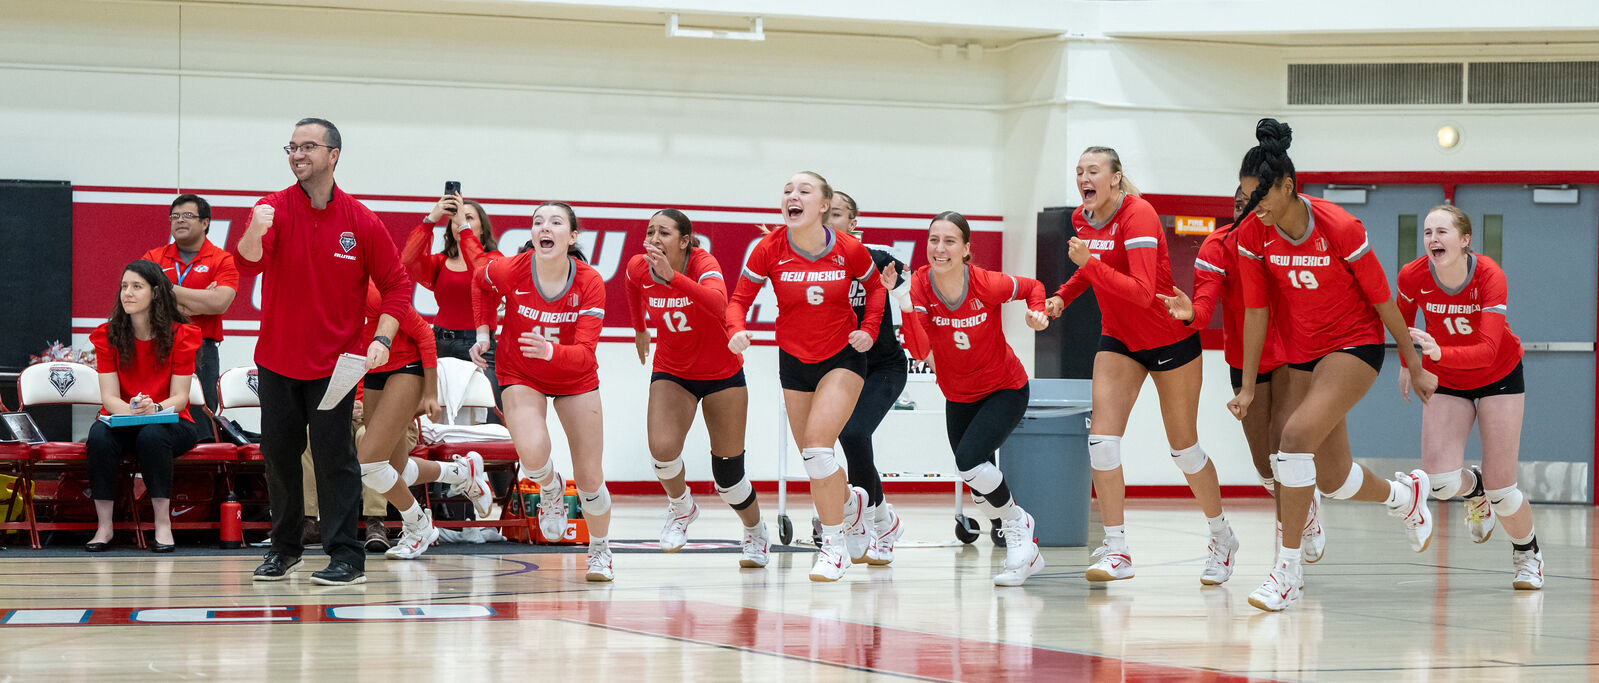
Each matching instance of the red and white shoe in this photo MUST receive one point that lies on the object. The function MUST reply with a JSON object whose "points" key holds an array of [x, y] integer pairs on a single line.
{"points": [[476, 487], [1414, 513], [1219, 565], [414, 540], [831, 560], [1313, 542], [757, 547], [1480, 518], [1529, 569], [1282, 587], [599, 562], [857, 528], [675, 534], [552, 509], [1112, 563], [888, 530]]}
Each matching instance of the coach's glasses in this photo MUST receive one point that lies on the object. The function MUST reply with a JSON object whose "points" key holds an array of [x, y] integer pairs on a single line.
{"points": [[187, 215], [308, 148]]}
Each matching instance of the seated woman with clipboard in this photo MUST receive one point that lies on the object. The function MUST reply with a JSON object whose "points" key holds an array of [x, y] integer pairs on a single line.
{"points": [[145, 355]]}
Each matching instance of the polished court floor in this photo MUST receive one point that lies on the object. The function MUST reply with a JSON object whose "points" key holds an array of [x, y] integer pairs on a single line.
{"points": [[1373, 611]]}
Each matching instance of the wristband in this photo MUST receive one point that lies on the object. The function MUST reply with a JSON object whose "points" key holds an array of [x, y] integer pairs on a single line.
{"points": [[902, 296], [549, 349], [385, 341]]}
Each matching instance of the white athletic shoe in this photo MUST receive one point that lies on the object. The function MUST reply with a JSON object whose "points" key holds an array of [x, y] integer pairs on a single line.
{"points": [[414, 540], [1022, 558], [1529, 569], [1111, 563], [1281, 589], [1018, 575], [675, 534], [476, 487], [1480, 518], [1219, 566], [552, 509], [857, 528], [1416, 516], [599, 562], [1313, 542], [831, 560], [757, 547], [887, 531]]}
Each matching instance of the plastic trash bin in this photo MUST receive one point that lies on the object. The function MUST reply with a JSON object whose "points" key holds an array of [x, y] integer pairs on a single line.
{"points": [[1045, 461]]}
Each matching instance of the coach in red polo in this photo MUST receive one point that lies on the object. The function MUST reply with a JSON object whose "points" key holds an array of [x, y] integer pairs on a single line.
{"points": [[317, 247]]}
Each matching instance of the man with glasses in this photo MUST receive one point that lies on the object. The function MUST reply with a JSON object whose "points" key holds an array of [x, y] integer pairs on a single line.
{"points": [[317, 248], [205, 281]]}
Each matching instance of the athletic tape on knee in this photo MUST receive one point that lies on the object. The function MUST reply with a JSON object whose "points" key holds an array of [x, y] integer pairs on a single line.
{"points": [[1104, 452], [1190, 460], [1269, 482], [1445, 485], [668, 469], [409, 474], [379, 476], [1352, 483], [540, 474], [1294, 470], [819, 462], [1506, 501], [595, 502], [731, 484], [983, 478]]}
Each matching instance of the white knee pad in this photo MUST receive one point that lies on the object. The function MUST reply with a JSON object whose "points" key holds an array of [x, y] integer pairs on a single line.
{"points": [[1294, 470], [1352, 482], [379, 476], [668, 469], [983, 478], [1445, 485], [1506, 501], [1104, 452], [1190, 460], [409, 473], [819, 462], [539, 474], [595, 502]]}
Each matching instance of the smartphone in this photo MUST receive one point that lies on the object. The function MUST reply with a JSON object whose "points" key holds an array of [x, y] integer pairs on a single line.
{"points": [[452, 187]]}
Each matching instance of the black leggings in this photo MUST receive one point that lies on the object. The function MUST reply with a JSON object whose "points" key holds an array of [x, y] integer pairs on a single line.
{"points": [[877, 397], [978, 429], [155, 446]]}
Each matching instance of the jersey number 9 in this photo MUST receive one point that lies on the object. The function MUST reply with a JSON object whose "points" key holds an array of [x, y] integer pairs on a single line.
{"points": [[962, 341]]}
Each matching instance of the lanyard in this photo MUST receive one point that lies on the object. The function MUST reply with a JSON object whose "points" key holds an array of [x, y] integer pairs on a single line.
{"points": [[181, 271]]}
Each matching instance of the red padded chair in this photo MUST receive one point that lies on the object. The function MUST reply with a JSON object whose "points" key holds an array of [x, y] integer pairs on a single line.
{"points": [[217, 456], [239, 389], [16, 459], [58, 384]]}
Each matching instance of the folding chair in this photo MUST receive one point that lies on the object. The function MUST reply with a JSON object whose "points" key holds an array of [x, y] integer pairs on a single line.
{"points": [[16, 461], [218, 456], [497, 455]]}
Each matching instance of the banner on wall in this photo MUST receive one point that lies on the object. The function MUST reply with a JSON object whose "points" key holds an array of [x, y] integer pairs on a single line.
{"points": [[114, 225]]}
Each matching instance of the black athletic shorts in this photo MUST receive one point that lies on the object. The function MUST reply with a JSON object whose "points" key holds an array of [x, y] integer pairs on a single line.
{"points": [[1511, 383], [1237, 375], [1160, 358], [702, 387], [798, 375], [1371, 354], [375, 381]]}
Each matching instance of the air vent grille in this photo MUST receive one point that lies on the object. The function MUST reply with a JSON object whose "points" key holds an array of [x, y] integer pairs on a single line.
{"points": [[1534, 82], [1356, 84]]}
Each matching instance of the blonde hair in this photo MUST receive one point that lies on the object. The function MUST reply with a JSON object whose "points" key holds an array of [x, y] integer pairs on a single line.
{"points": [[1461, 221], [1115, 160]]}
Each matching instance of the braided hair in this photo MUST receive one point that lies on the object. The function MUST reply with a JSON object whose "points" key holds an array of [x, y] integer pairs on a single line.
{"points": [[1268, 161]]}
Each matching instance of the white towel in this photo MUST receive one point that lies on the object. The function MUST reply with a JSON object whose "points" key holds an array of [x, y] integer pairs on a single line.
{"points": [[454, 377], [433, 432]]}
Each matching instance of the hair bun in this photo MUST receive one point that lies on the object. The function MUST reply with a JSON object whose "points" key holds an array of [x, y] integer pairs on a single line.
{"points": [[1274, 136]]}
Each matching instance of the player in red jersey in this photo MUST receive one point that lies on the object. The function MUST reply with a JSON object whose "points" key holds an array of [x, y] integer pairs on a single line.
{"points": [[394, 394], [1218, 281], [1477, 359], [1120, 251], [954, 324], [821, 346], [1307, 263], [680, 288], [550, 340]]}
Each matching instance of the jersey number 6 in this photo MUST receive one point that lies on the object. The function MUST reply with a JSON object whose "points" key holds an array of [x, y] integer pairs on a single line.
{"points": [[813, 295]]}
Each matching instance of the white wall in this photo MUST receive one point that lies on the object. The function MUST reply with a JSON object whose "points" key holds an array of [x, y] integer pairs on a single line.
{"points": [[161, 95]]}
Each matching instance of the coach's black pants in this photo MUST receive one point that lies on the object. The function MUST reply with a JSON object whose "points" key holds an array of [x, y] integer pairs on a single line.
{"points": [[288, 407], [154, 445], [882, 388]]}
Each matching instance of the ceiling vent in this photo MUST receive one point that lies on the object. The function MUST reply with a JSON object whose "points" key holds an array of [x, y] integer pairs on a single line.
{"points": [[1533, 82], [1364, 84]]}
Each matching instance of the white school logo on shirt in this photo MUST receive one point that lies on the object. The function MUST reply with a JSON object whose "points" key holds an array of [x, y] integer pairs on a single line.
{"points": [[347, 241]]}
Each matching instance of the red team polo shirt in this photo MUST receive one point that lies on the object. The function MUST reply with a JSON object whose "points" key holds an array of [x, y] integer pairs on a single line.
{"points": [[1477, 345], [317, 264], [1129, 266], [690, 316], [1321, 289], [212, 265], [571, 319], [414, 341], [451, 289], [814, 314], [144, 373], [1217, 280], [967, 337]]}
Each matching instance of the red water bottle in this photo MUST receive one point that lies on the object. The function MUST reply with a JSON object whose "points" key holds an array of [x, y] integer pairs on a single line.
{"points": [[232, 532]]}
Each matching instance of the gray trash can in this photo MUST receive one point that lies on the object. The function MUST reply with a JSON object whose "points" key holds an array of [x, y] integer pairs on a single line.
{"points": [[1045, 461]]}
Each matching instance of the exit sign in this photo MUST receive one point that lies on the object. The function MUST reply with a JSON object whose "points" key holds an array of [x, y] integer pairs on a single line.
{"points": [[1195, 225]]}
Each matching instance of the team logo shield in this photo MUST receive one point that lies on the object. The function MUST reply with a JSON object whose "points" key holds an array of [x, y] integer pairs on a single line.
{"points": [[347, 241], [62, 379], [253, 381]]}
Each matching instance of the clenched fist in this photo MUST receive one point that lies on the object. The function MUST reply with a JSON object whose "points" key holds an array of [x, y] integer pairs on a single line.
{"points": [[261, 216]]}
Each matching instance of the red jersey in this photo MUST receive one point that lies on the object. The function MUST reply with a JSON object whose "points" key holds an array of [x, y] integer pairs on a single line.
{"points": [[452, 289], [966, 335], [690, 315], [814, 316], [144, 373], [1217, 280], [1129, 266], [413, 343], [1469, 323], [1321, 289], [211, 265], [317, 264], [570, 319]]}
